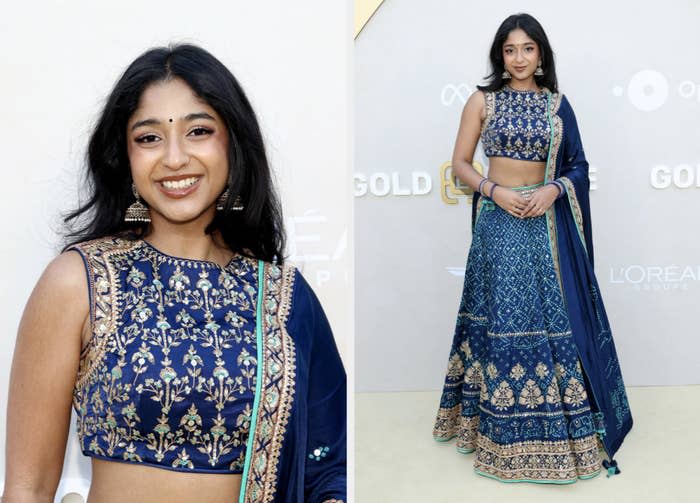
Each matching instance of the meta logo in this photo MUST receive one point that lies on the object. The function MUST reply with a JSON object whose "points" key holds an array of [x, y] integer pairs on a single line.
{"points": [[683, 176]]}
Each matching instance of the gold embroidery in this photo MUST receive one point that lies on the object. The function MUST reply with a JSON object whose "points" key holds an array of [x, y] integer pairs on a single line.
{"points": [[455, 367], [517, 372], [557, 136], [553, 397], [491, 370], [107, 393], [531, 395], [575, 393], [503, 397], [474, 375], [535, 413], [489, 98], [541, 370], [450, 423], [558, 461], [278, 383], [575, 207]]}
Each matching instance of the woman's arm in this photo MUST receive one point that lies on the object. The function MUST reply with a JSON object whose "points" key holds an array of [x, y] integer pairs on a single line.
{"points": [[467, 138], [44, 369]]}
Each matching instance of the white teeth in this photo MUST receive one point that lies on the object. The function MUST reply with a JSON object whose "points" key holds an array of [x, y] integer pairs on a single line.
{"points": [[179, 184]]}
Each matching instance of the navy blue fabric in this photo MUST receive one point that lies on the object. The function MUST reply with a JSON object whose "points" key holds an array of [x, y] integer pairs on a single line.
{"points": [[587, 315], [589, 321], [318, 419]]}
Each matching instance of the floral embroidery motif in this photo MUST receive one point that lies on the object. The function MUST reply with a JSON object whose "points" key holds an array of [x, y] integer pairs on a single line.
{"points": [[491, 371], [531, 395], [517, 372], [575, 393], [541, 370], [319, 452], [516, 125], [503, 397], [171, 338]]}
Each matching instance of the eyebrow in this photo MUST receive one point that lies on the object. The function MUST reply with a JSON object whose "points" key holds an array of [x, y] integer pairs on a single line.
{"points": [[187, 118], [515, 45]]}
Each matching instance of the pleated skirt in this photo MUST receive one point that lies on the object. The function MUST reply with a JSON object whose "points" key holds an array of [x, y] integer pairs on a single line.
{"points": [[514, 392]]}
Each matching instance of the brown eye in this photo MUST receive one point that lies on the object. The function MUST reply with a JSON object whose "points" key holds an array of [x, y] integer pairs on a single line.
{"points": [[201, 131], [147, 138]]}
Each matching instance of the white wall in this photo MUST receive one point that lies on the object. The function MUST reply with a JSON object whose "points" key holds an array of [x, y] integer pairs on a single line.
{"points": [[60, 60], [630, 70]]}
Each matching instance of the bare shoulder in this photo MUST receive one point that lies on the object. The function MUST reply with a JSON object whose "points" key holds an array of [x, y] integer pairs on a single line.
{"points": [[65, 275], [476, 105], [60, 298]]}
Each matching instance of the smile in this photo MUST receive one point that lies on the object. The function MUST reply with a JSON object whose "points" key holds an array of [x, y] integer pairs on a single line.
{"points": [[179, 184]]}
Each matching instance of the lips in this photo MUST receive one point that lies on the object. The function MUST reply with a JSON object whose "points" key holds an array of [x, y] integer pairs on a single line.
{"points": [[179, 186]]}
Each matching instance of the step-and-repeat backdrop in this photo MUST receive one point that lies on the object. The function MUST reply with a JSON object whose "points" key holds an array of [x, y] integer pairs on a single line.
{"points": [[292, 59], [631, 73]]}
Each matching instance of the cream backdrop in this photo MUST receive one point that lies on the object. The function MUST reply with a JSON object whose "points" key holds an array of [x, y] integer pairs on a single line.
{"points": [[631, 71], [60, 60]]}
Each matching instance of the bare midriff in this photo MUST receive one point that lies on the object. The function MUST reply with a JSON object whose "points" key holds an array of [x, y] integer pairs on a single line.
{"points": [[116, 482], [509, 172]]}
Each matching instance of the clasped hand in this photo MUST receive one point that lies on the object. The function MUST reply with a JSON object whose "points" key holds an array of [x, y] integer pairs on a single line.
{"points": [[515, 204]]}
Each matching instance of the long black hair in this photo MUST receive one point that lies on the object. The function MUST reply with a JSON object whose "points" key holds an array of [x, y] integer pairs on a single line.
{"points": [[256, 231], [534, 30]]}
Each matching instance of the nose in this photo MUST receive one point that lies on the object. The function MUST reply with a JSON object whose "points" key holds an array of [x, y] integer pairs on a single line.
{"points": [[175, 156]]}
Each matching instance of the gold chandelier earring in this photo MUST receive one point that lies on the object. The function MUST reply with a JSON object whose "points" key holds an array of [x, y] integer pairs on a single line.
{"points": [[137, 212], [221, 202], [506, 75], [539, 72]]}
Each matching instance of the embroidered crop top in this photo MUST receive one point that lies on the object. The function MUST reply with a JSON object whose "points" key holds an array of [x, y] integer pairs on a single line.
{"points": [[168, 377], [516, 125]]}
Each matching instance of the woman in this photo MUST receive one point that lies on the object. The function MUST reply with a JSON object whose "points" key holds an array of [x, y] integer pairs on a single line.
{"points": [[533, 382], [204, 365]]}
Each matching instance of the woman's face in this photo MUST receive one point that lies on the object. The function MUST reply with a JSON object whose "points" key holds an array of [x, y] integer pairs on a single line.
{"points": [[177, 146], [520, 55]]}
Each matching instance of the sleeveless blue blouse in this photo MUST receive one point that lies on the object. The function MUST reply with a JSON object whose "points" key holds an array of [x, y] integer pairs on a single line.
{"points": [[168, 377], [516, 125]]}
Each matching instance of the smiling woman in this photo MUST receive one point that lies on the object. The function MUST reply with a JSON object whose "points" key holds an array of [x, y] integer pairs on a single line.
{"points": [[190, 352]]}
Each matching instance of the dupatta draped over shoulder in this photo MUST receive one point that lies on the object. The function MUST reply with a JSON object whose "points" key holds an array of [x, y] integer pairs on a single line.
{"points": [[570, 238]]}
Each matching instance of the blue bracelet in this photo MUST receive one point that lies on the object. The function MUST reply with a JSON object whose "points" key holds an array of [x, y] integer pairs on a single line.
{"points": [[481, 184]]}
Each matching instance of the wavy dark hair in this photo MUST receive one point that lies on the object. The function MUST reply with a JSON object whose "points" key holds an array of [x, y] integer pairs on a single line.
{"points": [[256, 231], [534, 30]]}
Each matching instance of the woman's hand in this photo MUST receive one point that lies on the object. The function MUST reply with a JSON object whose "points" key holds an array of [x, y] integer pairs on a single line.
{"points": [[540, 201], [508, 199]]}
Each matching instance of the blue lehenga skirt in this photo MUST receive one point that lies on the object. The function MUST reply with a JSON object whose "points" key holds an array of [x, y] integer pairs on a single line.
{"points": [[515, 391]]}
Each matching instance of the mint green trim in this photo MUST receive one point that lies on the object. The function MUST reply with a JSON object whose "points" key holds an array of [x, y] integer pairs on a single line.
{"points": [[438, 439], [523, 187], [559, 482], [549, 159], [258, 380], [465, 451]]}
